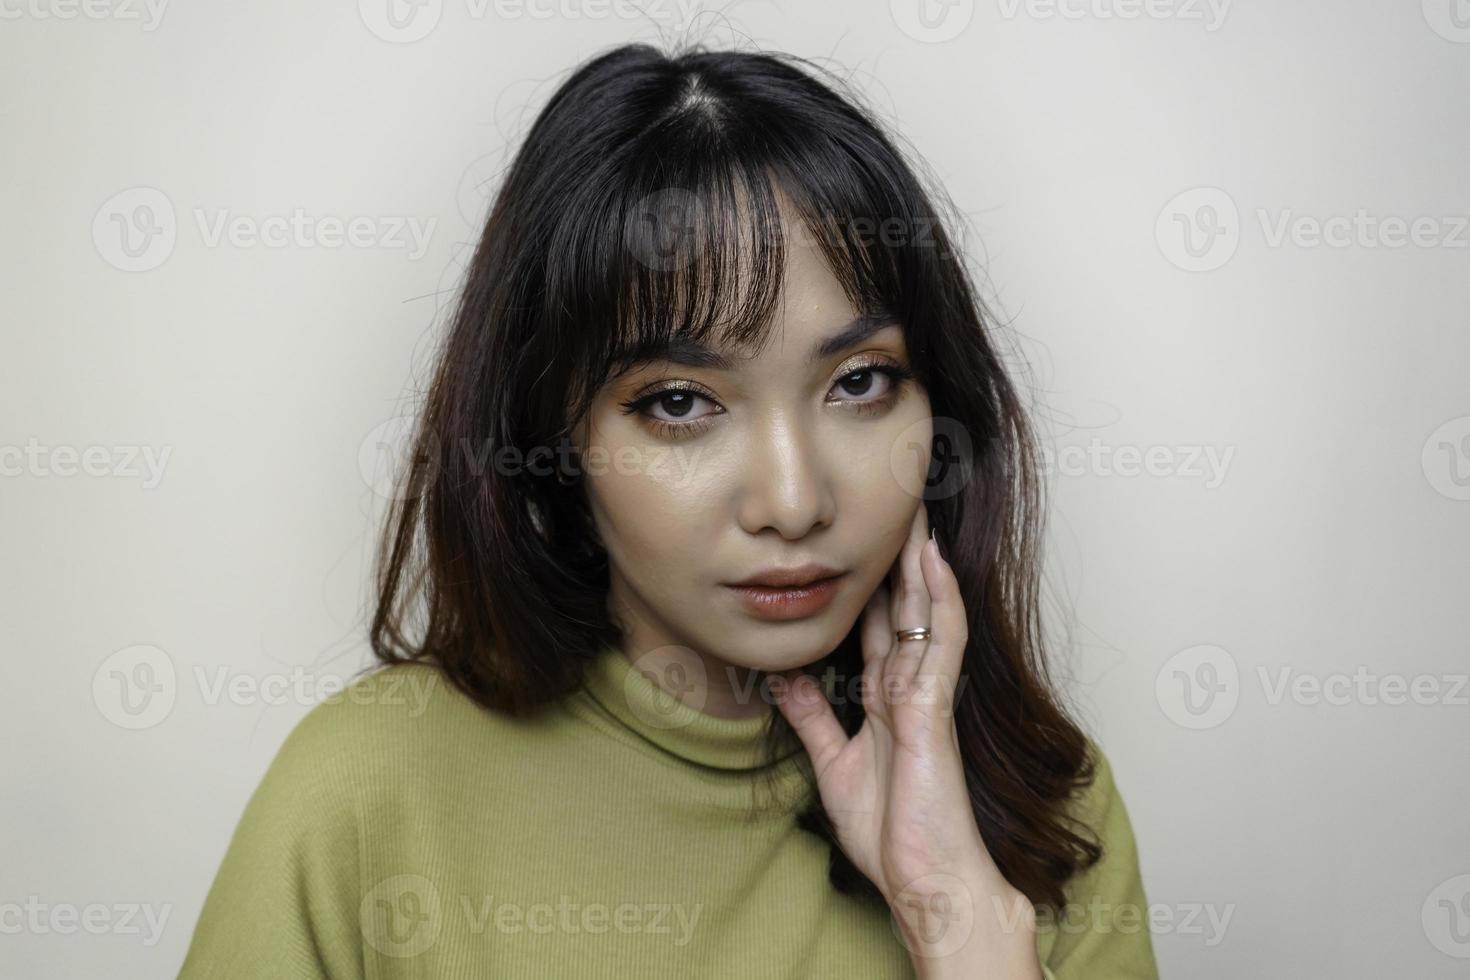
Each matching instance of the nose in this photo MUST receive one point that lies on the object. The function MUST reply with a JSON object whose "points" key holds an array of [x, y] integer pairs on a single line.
{"points": [[788, 485]]}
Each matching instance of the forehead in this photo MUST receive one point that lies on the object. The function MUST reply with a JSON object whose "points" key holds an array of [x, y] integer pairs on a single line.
{"points": [[750, 287], [813, 305], [813, 340], [812, 320]]}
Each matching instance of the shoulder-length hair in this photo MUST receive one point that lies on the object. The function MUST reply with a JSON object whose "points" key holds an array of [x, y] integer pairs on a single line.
{"points": [[641, 206]]}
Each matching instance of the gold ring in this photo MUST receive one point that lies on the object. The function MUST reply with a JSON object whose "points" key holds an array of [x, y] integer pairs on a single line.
{"points": [[917, 633]]}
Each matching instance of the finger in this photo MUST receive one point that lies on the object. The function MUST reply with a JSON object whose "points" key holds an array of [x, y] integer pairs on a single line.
{"points": [[806, 709], [945, 657], [900, 565], [877, 641], [912, 602], [876, 633]]}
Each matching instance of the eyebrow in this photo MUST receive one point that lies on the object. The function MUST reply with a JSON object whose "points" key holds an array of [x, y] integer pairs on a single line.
{"points": [[691, 353]]}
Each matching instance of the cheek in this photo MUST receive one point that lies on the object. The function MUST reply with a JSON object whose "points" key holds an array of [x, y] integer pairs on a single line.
{"points": [[654, 517], [880, 513], [884, 487], [913, 445]]}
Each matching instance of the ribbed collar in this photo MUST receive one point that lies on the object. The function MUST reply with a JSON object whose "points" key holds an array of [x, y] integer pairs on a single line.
{"points": [[655, 716]]}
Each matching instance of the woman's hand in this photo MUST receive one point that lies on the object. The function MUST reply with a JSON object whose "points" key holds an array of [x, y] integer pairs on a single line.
{"points": [[896, 790]]}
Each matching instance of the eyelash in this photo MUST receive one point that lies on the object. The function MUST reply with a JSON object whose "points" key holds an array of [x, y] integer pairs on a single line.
{"points": [[897, 374]]}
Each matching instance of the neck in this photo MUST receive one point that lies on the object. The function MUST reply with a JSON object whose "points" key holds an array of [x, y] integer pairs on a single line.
{"points": [[700, 680]]}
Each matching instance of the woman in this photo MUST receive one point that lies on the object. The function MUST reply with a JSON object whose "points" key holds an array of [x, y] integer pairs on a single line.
{"points": [[678, 680]]}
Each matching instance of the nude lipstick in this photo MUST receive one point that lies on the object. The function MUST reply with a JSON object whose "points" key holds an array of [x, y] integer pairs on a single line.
{"points": [[781, 594]]}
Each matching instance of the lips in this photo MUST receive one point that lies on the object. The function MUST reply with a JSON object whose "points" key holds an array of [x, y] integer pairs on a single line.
{"points": [[788, 594], [785, 578]]}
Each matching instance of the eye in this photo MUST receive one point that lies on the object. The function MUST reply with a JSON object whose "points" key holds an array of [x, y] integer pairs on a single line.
{"points": [[864, 379], [679, 404], [670, 411]]}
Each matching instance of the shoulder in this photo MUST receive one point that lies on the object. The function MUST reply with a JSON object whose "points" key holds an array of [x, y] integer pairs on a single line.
{"points": [[384, 705], [350, 782], [351, 743], [389, 738], [1103, 928], [1099, 808], [382, 723], [1098, 803], [404, 730]]}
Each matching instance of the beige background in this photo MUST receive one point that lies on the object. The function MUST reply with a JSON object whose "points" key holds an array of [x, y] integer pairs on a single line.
{"points": [[1303, 408]]}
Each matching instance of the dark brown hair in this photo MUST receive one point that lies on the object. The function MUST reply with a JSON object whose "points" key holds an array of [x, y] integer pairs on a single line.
{"points": [[642, 206]]}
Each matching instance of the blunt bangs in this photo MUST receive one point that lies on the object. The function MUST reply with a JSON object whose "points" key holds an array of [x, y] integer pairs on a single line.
{"points": [[679, 230]]}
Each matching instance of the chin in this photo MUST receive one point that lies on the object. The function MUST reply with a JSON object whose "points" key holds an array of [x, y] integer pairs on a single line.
{"points": [[775, 657]]}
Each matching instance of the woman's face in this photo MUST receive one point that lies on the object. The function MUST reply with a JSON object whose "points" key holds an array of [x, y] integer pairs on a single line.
{"points": [[701, 476]]}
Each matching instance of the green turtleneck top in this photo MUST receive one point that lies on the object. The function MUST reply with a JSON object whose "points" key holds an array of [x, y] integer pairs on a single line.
{"points": [[403, 830]]}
